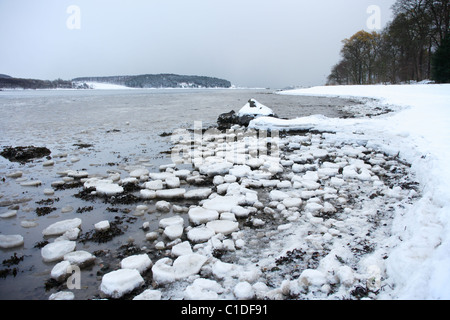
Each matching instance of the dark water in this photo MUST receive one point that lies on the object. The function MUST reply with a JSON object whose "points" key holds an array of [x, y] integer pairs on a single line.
{"points": [[118, 129]]}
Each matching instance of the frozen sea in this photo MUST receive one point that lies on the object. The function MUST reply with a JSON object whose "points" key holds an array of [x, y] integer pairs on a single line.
{"points": [[102, 132]]}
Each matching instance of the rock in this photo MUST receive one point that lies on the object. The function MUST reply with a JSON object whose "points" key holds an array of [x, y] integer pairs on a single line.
{"points": [[24, 154], [199, 215], [184, 266], [10, 241], [117, 283], [79, 258], [139, 262], [224, 227], [56, 250], [60, 227], [102, 225]]}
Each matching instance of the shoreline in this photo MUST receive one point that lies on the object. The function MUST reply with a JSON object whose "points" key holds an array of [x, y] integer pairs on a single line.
{"points": [[299, 217]]}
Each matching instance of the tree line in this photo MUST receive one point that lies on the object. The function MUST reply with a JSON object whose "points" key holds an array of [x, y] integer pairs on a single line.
{"points": [[414, 46]]}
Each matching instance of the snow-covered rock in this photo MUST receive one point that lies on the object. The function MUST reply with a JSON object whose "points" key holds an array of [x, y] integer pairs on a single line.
{"points": [[253, 107], [117, 283]]}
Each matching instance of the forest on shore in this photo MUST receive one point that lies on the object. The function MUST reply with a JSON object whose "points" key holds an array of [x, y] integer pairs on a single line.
{"points": [[414, 46]]}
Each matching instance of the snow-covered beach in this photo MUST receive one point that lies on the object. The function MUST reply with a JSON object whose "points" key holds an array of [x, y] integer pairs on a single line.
{"points": [[419, 133], [331, 208]]}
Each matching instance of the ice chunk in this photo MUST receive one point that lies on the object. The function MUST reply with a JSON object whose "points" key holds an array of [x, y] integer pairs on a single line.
{"points": [[200, 234], [117, 283], [149, 294], [56, 250], [203, 289], [140, 262], [174, 231], [311, 277], [184, 266], [102, 225], [182, 249], [10, 241], [202, 193], [60, 227], [164, 223], [276, 195], [224, 227], [244, 291], [154, 185], [79, 258], [199, 215], [222, 203], [170, 194]]}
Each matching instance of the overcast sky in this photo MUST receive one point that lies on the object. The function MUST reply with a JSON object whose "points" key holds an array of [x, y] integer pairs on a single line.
{"points": [[252, 43]]}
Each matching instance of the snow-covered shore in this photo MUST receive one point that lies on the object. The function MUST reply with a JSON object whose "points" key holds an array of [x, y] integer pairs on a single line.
{"points": [[419, 132]]}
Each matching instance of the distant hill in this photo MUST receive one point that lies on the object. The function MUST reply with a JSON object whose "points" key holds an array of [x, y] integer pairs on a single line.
{"points": [[7, 82], [4, 76], [160, 81]]}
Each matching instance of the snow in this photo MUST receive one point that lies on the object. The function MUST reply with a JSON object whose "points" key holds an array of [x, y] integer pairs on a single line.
{"points": [[419, 132]]}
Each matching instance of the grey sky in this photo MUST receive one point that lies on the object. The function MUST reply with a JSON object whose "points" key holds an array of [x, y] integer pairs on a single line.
{"points": [[253, 43]]}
